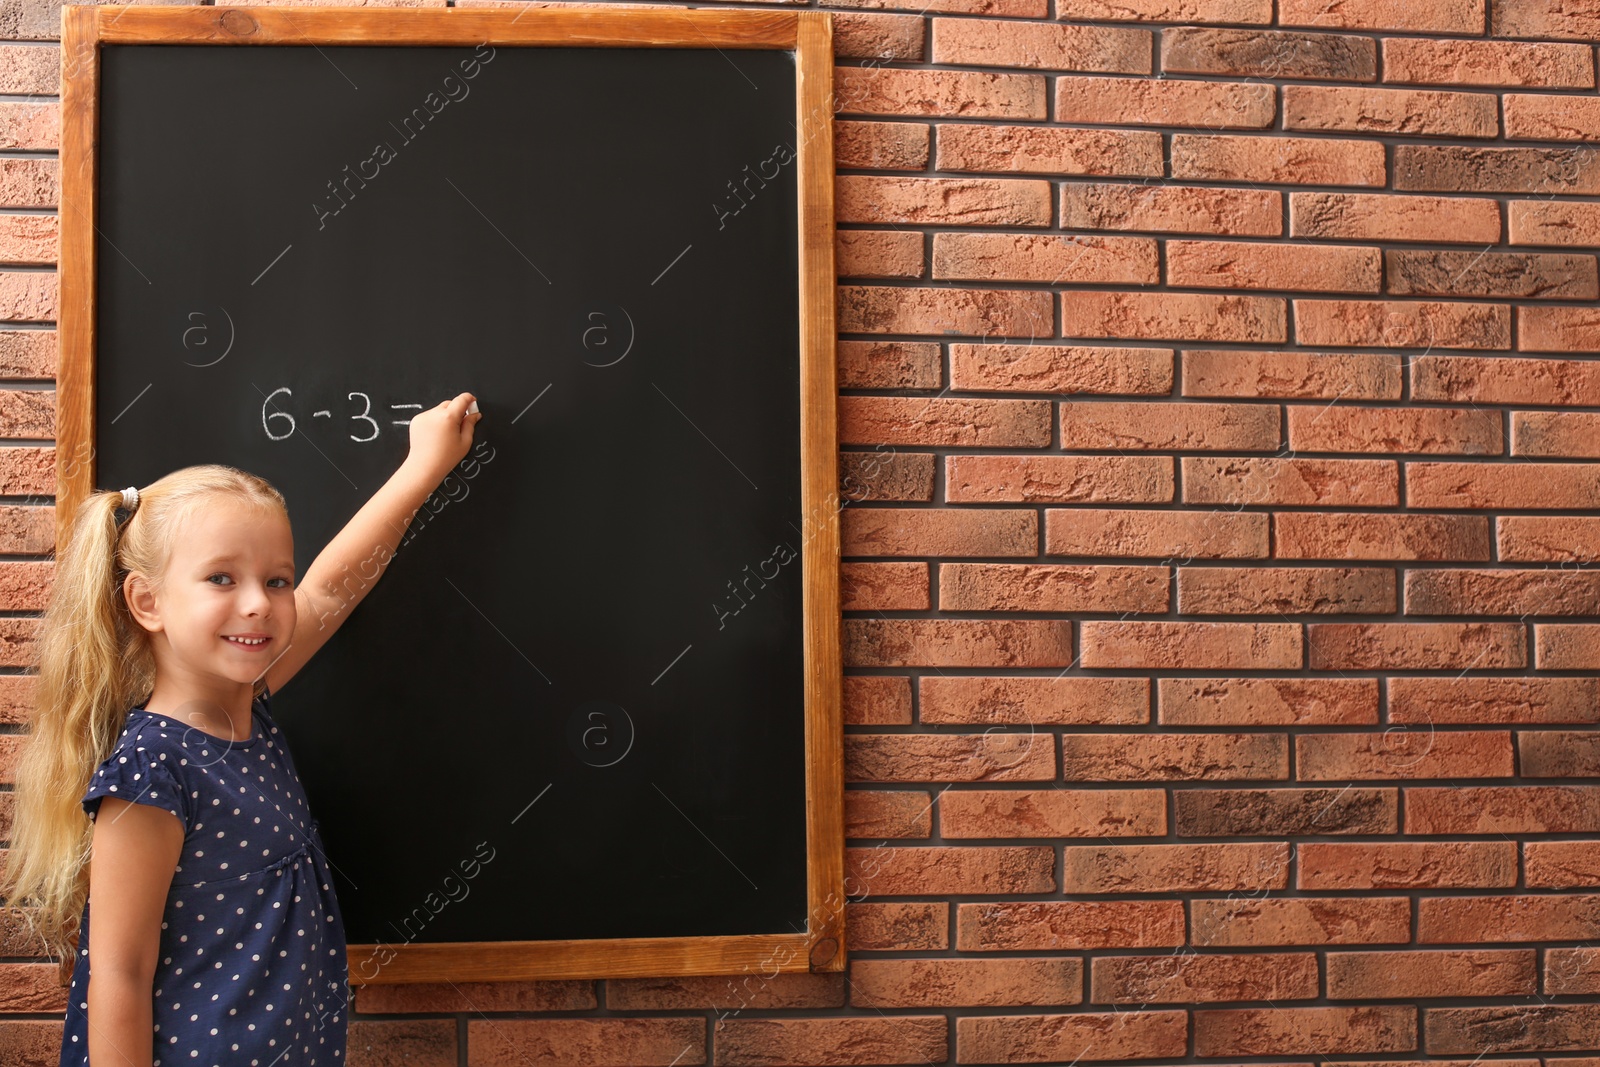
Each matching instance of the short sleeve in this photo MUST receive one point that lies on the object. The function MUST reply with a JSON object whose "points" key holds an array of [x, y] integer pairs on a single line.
{"points": [[140, 772]]}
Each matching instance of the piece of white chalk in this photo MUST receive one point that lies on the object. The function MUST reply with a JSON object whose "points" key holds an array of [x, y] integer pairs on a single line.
{"points": [[472, 407]]}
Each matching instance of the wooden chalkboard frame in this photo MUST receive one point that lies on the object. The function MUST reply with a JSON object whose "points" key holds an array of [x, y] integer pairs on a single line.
{"points": [[84, 28]]}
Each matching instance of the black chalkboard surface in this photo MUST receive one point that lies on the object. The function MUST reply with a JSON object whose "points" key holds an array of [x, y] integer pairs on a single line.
{"points": [[582, 676]]}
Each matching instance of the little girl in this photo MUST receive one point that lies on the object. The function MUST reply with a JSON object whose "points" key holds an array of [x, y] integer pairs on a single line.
{"points": [[217, 936]]}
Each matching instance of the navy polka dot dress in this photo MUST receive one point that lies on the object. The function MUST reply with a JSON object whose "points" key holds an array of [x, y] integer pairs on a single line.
{"points": [[252, 969]]}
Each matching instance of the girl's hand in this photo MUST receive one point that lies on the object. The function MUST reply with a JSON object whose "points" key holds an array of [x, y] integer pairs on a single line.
{"points": [[441, 436]]}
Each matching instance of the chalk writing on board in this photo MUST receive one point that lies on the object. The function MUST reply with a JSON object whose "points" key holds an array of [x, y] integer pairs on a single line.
{"points": [[384, 153], [269, 412]]}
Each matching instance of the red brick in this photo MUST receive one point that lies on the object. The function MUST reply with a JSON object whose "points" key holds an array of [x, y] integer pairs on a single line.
{"points": [[1192, 645], [941, 201], [1412, 974], [1502, 592], [885, 475], [1255, 265], [1386, 217], [1362, 535], [1473, 168], [985, 313], [1509, 486], [1069, 700], [1063, 1038], [1501, 919], [1185, 868], [1066, 369], [1403, 323], [1166, 208], [939, 532], [1494, 700], [889, 365], [877, 1038], [950, 421], [1051, 587], [1555, 433], [1558, 329], [1021, 9], [1286, 590], [1519, 809], [1404, 754], [895, 870], [1302, 921], [878, 254], [907, 927], [1164, 102], [1053, 150], [1169, 425], [1406, 112], [884, 587], [1328, 865], [1069, 925], [28, 353], [963, 983], [1558, 754], [1125, 532], [941, 93], [1426, 60], [724, 995], [1069, 259], [1505, 380], [1278, 159], [27, 413], [1566, 647], [1058, 479], [26, 69], [877, 700], [1426, 16], [1093, 813], [28, 296], [1194, 978], [1514, 275], [1309, 1031], [1174, 316], [1279, 812], [1172, 756], [28, 239], [884, 813], [974, 42], [869, 35], [986, 757], [956, 643], [29, 183], [1268, 54], [1231, 11], [1565, 865], [1245, 480], [589, 1042], [1547, 117], [1554, 222], [1332, 428], [1416, 646], [1327, 375], [1548, 538], [867, 145], [30, 125], [1544, 19], [1268, 701]]}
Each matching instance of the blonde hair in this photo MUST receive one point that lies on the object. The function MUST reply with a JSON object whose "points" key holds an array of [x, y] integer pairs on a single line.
{"points": [[95, 663]]}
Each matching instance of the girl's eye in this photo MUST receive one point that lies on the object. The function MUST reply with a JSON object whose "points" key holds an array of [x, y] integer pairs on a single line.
{"points": [[287, 582], [219, 576]]}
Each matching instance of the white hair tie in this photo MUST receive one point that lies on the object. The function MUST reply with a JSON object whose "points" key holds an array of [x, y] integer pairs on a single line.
{"points": [[130, 498]]}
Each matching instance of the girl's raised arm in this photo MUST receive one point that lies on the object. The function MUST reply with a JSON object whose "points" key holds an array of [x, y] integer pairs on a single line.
{"points": [[344, 572]]}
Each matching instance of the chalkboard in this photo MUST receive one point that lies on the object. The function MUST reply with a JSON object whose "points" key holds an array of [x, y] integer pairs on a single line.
{"points": [[587, 722]]}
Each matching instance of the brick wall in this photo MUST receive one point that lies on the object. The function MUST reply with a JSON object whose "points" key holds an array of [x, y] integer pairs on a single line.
{"points": [[1222, 435]]}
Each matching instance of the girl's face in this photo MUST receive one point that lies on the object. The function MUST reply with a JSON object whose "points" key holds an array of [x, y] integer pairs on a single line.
{"points": [[227, 606]]}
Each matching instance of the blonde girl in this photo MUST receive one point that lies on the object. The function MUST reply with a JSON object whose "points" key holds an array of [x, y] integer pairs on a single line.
{"points": [[155, 790]]}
